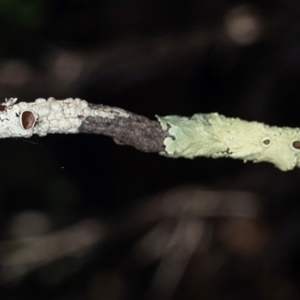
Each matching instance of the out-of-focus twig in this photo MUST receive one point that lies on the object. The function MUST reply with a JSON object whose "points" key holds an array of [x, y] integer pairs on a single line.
{"points": [[184, 217], [196, 201], [179, 249], [31, 253]]}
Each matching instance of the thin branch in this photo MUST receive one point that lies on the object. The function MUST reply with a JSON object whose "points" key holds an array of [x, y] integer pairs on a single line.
{"points": [[214, 135], [126, 128], [197, 202], [210, 135], [43, 117], [29, 254]]}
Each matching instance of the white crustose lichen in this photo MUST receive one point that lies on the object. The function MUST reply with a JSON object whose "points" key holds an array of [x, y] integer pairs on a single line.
{"points": [[41, 117]]}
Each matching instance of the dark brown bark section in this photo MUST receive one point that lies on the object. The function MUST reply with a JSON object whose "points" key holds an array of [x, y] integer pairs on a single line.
{"points": [[137, 131]]}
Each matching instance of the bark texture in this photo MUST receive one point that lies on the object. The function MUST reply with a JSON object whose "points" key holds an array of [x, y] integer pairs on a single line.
{"points": [[134, 130]]}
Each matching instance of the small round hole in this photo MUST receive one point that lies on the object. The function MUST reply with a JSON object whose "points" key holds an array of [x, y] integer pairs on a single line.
{"points": [[27, 119], [296, 144], [266, 142]]}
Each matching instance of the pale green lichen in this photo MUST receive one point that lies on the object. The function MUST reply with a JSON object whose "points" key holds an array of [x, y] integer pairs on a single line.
{"points": [[215, 135]]}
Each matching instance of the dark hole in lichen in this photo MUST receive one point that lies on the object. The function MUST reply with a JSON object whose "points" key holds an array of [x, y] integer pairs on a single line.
{"points": [[267, 142], [28, 119], [296, 144]]}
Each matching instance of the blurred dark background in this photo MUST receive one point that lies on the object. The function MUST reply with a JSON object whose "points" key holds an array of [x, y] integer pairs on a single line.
{"points": [[84, 218]]}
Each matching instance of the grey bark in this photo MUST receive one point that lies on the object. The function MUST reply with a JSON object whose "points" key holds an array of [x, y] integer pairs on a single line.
{"points": [[137, 131]]}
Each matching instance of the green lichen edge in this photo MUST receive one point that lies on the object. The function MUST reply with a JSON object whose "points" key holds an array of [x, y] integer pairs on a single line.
{"points": [[214, 135], [194, 136]]}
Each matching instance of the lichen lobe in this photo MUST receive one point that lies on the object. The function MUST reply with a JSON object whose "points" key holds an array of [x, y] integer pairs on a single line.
{"points": [[214, 135]]}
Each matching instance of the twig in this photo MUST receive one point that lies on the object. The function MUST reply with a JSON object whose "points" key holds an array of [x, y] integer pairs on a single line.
{"points": [[215, 135], [126, 128], [43, 117], [197, 202], [210, 135], [75, 241]]}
